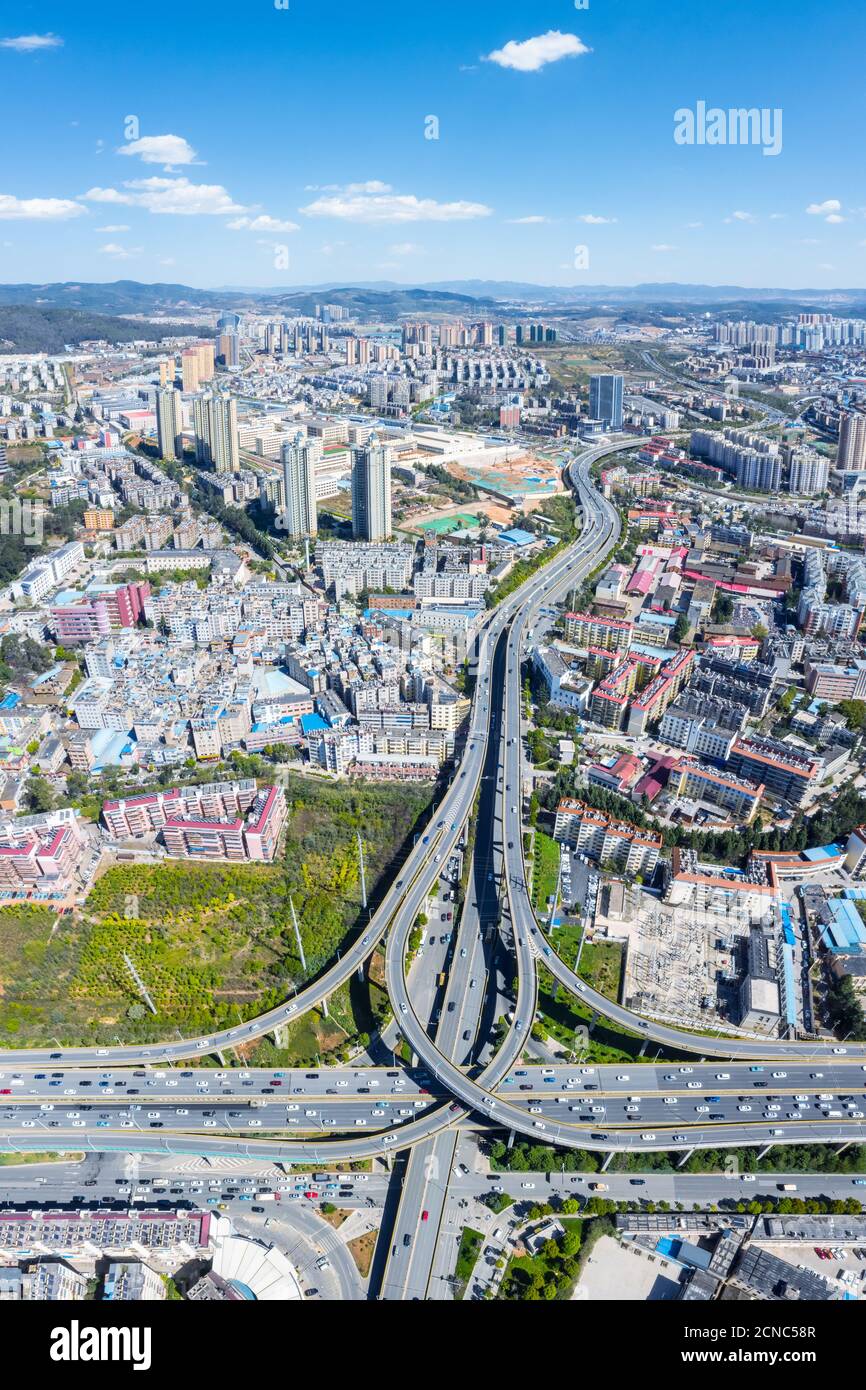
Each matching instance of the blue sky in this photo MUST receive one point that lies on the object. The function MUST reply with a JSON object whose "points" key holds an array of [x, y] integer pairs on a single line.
{"points": [[300, 153]]}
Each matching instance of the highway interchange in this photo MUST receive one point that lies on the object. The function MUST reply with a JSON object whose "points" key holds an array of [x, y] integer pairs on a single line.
{"points": [[136, 1099]]}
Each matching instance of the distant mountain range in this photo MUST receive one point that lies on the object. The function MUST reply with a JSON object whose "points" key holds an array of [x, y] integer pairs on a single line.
{"points": [[136, 297], [43, 318]]}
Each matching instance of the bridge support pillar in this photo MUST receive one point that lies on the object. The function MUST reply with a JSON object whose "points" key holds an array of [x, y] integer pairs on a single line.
{"points": [[593, 1021], [608, 1156], [684, 1158], [279, 1035], [643, 1048], [764, 1151], [324, 1008], [510, 1143], [221, 1057]]}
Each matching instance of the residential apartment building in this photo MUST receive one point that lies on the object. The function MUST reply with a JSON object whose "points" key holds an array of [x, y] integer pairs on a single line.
{"points": [[606, 840]]}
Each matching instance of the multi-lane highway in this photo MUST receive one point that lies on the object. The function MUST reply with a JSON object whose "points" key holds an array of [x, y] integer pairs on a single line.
{"points": [[676, 1114]]}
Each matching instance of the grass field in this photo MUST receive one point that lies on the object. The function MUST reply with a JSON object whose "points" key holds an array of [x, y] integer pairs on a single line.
{"points": [[214, 943], [470, 1244], [545, 871]]}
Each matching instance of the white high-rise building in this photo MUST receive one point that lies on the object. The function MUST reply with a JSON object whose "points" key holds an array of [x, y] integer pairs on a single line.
{"points": [[216, 432], [169, 423], [299, 458], [851, 454], [809, 473], [371, 492]]}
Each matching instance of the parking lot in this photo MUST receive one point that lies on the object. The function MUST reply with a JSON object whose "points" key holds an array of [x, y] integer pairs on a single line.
{"points": [[845, 1264]]}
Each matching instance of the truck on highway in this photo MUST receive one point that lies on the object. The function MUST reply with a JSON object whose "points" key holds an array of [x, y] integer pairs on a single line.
{"points": [[598, 1187], [440, 978], [266, 1196], [787, 1186]]}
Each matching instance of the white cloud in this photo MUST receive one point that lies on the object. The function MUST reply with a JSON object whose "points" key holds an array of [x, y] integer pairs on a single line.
{"points": [[822, 209], [374, 202], [526, 221], [167, 150], [594, 221], [113, 227], [532, 54], [38, 209], [834, 217], [32, 43], [168, 260], [740, 216], [177, 196], [406, 248], [662, 246], [262, 223], [370, 186], [777, 216], [119, 253], [694, 224]]}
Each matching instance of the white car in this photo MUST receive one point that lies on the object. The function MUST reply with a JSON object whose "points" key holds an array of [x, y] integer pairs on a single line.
{"points": [[840, 1051], [723, 1076], [780, 1074], [527, 1186], [695, 1085]]}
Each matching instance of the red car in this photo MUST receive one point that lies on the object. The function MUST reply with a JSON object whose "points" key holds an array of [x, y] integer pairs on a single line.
{"points": [[425, 1215], [311, 1193], [7, 1091], [276, 1083]]}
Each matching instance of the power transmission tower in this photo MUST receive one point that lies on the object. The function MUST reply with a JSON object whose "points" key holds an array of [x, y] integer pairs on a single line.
{"points": [[298, 937], [361, 866], [139, 983]]}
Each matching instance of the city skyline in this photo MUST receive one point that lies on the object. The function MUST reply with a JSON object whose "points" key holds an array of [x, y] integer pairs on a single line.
{"points": [[524, 145]]}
